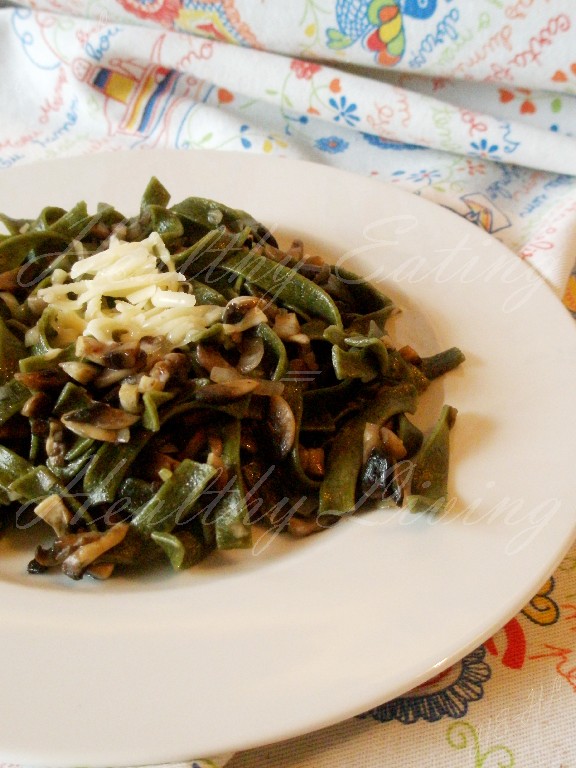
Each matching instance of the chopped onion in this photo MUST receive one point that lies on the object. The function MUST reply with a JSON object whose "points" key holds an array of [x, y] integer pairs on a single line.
{"points": [[224, 374], [259, 386], [393, 446], [129, 397], [269, 388], [286, 325], [54, 512]]}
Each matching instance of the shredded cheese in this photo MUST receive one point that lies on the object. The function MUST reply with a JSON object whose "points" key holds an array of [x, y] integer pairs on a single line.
{"points": [[125, 292]]}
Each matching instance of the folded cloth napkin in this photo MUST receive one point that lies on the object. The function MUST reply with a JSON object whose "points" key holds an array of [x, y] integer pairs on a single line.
{"points": [[472, 105], [469, 104]]}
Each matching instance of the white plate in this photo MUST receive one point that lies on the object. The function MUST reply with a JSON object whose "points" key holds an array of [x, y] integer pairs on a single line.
{"points": [[259, 646]]}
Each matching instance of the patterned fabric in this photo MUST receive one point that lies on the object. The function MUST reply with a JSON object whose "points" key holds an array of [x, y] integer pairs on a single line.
{"points": [[472, 105], [171, 73]]}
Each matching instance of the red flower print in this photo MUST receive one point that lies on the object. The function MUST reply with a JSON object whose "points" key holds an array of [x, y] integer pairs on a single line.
{"points": [[304, 70], [560, 76], [527, 106], [163, 11], [224, 96]]}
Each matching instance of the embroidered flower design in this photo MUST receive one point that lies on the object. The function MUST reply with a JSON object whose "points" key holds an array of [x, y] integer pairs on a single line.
{"points": [[304, 70], [331, 144], [446, 695], [424, 175], [345, 110], [484, 149]]}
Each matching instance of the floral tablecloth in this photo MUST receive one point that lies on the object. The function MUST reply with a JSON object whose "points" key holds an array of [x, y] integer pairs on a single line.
{"points": [[471, 105]]}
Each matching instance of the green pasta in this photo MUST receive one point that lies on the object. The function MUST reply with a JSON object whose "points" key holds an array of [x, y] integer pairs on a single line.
{"points": [[171, 379]]}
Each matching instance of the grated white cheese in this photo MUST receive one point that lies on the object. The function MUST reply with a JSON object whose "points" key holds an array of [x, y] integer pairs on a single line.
{"points": [[120, 294]]}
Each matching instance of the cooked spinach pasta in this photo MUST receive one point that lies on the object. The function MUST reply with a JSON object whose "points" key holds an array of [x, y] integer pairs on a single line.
{"points": [[170, 380]]}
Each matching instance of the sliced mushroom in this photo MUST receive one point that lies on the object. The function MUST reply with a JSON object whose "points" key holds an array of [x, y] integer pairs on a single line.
{"points": [[209, 357], [83, 373], [55, 446], [34, 567], [173, 365], [223, 393], [263, 387], [237, 308], [38, 406], [122, 356], [101, 415], [43, 380], [54, 512], [94, 433], [111, 376], [89, 348], [100, 421], [62, 547], [76, 563], [10, 280], [253, 317], [251, 354], [154, 347], [282, 425]]}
